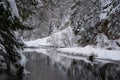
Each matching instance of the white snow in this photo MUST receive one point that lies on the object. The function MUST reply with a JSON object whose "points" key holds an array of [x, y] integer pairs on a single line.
{"points": [[4, 5], [104, 42], [38, 42], [61, 38], [23, 60], [65, 59], [74, 57], [105, 2], [13, 8], [43, 51], [88, 50], [58, 38], [103, 16], [39, 3], [104, 12], [114, 9]]}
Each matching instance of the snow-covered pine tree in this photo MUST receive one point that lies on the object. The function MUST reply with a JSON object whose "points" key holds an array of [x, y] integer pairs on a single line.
{"points": [[10, 45]]}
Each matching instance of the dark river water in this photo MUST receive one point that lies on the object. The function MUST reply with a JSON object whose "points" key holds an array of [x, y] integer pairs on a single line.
{"points": [[39, 67], [43, 67]]}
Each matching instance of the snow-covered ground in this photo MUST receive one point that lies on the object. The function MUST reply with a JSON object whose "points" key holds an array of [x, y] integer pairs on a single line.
{"points": [[64, 38], [38, 42], [89, 50], [80, 53]]}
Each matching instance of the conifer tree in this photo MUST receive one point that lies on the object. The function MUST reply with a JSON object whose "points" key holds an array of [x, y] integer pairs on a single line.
{"points": [[10, 45]]}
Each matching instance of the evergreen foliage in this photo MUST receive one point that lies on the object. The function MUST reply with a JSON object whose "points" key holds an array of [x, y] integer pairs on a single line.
{"points": [[10, 45]]}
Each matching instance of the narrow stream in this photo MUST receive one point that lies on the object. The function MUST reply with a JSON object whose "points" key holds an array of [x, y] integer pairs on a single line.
{"points": [[55, 67], [41, 69]]}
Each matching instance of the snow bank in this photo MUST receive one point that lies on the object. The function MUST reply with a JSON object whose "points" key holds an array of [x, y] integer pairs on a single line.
{"points": [[38, 42], [62, 38], [88, 50], [43, 51]]}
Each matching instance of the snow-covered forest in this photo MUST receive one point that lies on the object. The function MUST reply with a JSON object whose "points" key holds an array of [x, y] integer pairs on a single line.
{"points": [[65, 39]]}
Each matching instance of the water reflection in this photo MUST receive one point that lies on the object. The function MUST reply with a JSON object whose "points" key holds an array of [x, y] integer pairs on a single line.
{"points": [[51, 66], [97, 71], [5, 75], [81, 70], [41, 68]]}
